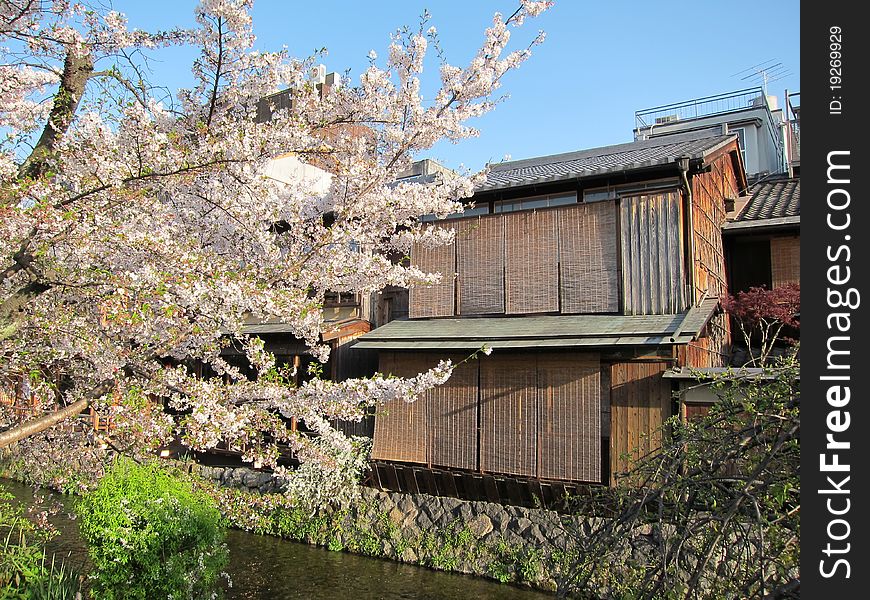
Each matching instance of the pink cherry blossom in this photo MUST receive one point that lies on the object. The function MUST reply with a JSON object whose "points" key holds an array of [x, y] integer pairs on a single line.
{"points": [[145, 230]]}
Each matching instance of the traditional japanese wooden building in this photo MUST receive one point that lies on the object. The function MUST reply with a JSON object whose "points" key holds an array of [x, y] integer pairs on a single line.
{"points": [[589, 274]]}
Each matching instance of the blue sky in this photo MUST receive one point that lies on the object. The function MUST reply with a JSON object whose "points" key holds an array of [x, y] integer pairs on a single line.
{"points": [[601, 61]]}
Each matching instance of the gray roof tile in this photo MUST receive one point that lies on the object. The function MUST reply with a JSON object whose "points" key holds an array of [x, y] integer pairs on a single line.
{"points": [[600, 161], [773, 199]]}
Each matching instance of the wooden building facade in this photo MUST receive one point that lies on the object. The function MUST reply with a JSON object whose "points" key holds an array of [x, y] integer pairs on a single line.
{"points": [[589, 274]]}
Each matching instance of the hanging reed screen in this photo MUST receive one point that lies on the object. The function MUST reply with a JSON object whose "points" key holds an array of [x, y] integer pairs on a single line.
{"points": [[539, 416], [481, 265], [531, 267], [508, 412], [785, 260], [402, 428], [569, 418], [453, 417], [589, 276], [436, 300]]}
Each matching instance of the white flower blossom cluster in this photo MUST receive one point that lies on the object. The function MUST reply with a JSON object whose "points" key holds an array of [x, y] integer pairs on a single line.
{"points": [[142, 233]]}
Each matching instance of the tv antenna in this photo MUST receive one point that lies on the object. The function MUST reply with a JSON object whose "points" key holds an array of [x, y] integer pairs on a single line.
{"points": [[764, 72]]}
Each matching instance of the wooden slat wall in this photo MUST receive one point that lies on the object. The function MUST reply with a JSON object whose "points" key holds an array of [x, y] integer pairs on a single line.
{"points": [[785, 260], [589, 276], [712, 349], [351, 363], [364, 427], [694, 354], [508, 413], [709, 191], [652, 254], [531, 262], [569, 421], [436, 300], [402, 428], [640, 403], [481, 265], [453, 417]]}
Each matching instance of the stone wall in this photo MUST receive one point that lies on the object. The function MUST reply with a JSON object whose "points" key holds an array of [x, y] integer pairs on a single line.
{"points": [[415, 514], [238, 477], [508, 543]]}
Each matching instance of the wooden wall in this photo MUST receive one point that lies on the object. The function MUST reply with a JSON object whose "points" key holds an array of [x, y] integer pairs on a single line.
{"points": [[652, 254], [640, 402], [709, 191], [785, 260], [711, 349]]}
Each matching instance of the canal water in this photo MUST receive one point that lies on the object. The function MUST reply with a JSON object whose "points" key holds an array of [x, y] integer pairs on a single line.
{"points": [[267, 568]]}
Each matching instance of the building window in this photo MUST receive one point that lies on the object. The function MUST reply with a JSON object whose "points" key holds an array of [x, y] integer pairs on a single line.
{"points": [[741, 143], [612, 192], [534, 202], [471, 210]]}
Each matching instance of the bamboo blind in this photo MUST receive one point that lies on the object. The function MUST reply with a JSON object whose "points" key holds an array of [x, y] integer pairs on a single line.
{"points": [[587, 258], [436, 300], [402, 428], [785, 260], [569, 417], [481, 265], [453, 418], [508, 413], [640, 403], [539, 416], [531, 267], [652, 254]]}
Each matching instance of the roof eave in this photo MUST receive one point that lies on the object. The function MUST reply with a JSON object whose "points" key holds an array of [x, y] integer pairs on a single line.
{"points": [[668, 165], [758, 225]]}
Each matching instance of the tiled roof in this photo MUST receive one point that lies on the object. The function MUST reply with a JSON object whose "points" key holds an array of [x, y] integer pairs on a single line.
{"points": [[600, 161], [540, 331], [773, 199]]}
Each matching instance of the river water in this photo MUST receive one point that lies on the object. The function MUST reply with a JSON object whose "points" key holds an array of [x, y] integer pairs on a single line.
{"points": [[266, 568]]}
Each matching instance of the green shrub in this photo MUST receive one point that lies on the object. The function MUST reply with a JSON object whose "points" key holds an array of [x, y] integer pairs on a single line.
{"points": [[150, 535]]}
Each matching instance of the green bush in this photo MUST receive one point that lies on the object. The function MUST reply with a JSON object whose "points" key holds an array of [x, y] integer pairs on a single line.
{"points": [[150, 535]]}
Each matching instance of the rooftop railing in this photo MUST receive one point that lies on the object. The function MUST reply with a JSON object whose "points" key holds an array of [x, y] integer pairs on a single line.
{"points": [[701, 107]]}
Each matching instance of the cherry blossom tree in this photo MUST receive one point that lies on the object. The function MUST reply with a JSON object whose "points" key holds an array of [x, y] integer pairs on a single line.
{"points": [[138, 230]]}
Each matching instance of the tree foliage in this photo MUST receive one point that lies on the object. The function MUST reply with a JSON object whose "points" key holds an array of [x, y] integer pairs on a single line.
{"points": [[762, 315], [150, 535], [140, 230], [713, 514]]}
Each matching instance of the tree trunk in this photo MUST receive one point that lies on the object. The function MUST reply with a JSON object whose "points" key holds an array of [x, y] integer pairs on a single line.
{"points": [[29, 428], [77, 70]]}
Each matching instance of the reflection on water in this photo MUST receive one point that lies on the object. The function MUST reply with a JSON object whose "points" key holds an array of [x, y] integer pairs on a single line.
{"points": [[269, 568]]}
